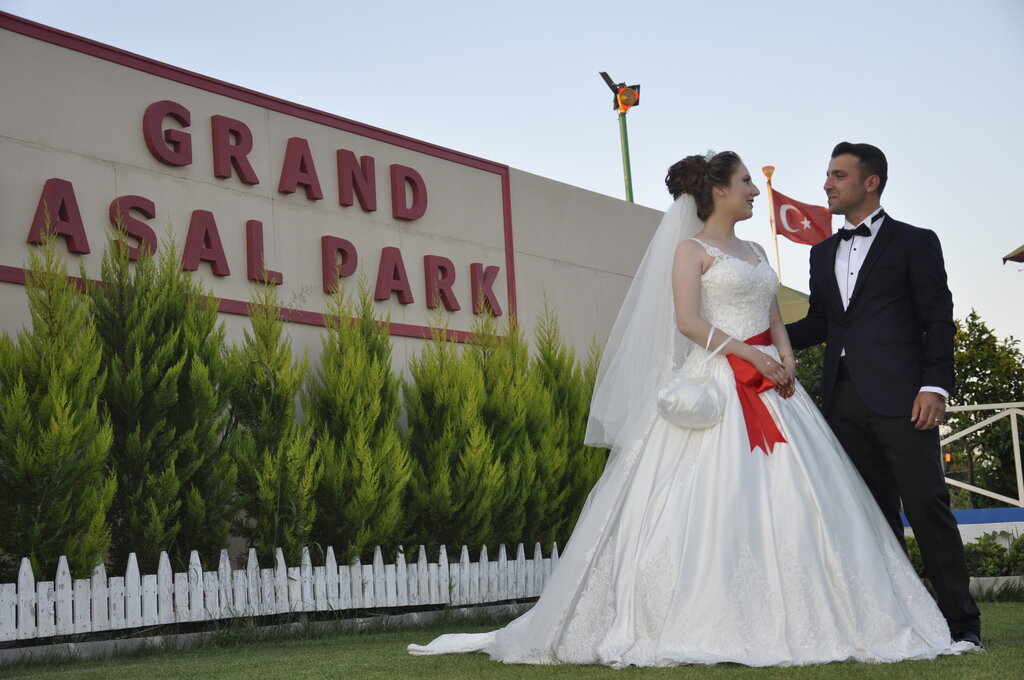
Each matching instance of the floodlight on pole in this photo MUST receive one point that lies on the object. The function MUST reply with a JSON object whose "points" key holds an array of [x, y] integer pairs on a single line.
{"points": [[623, 99]]}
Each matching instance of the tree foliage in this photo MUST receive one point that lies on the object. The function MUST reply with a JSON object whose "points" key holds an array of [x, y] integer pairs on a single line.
{"points": [[989, 371], [570, 387], [140, 348], [134, 382], [168, 397], [353, 404], [54, 437], [810, 364], [279, 466], [509, 393], [458, 478]]}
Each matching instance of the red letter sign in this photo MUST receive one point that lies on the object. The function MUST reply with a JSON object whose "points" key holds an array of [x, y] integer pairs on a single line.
{"points": [[400, 176], [439, 277], [58, 214], [391, 277], [339, 259], [227, 154], [172, 147], [298, 168], [256, 265], [121, 219], [203, 243], [358, 176], [482, 284]]}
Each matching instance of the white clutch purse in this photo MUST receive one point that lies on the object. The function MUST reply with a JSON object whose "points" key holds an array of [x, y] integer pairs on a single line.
{"points": [[693, 402]]}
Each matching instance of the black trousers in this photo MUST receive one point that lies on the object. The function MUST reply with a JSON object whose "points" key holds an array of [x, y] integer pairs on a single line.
{"points": [[901, 463]]}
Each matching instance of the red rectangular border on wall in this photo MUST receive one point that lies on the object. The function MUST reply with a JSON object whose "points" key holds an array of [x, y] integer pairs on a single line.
{"points": [[198, 81]]}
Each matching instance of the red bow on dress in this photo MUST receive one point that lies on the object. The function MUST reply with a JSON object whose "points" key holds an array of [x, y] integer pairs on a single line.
{"points": [[761, 428]]}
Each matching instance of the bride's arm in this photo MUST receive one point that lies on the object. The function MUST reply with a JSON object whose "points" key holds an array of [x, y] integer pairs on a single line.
{"points": [[690, 262], [780, 338]]}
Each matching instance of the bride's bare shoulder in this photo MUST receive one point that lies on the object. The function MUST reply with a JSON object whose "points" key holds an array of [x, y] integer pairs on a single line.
{"points": [[691, 247], [691, 253]]}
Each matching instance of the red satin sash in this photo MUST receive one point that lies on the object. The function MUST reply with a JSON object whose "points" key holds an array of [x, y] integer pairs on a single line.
{"points": [[761, 428]]}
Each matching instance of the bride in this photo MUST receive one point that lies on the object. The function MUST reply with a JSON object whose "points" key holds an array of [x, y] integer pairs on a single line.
{"points": [[751, 541]]}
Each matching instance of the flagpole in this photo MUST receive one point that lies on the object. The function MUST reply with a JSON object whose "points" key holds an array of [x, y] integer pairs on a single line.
{"points": [[768, 171], [626, 172]]}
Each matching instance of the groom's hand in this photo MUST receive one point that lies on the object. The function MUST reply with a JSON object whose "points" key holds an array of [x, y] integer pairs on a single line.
{"points": [[929, 410]]}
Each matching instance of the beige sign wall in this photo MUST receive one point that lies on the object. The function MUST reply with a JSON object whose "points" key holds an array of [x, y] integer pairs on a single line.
{"points": [[87, 131]]}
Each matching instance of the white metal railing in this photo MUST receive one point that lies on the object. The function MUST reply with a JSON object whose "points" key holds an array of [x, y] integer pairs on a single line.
{"points": [[32, 610], [1011, 410]]}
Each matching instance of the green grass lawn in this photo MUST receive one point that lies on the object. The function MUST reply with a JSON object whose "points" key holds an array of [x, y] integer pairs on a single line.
{"points": [[381, 654]]}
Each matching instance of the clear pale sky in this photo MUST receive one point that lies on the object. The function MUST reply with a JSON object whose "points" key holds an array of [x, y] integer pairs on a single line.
{"points": [[938, 85]]}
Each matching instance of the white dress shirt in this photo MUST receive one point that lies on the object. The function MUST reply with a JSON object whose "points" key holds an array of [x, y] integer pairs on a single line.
{"points": [[850, 257]]}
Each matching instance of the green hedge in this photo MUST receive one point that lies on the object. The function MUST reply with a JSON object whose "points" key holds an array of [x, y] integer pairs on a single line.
{"points": [[127, 423], [55, 438], [137, 428], [168, 395], [352, 404], [987, 556], [279, 464]]}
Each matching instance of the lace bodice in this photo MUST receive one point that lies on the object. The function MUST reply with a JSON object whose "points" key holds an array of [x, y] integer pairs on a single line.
{"points": [[736, 296]]}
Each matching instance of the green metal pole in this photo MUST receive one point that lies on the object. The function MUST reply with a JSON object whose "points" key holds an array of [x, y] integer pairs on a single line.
{"points": [[625, 157]]}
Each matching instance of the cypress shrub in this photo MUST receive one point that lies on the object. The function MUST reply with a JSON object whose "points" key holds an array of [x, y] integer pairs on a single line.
{"points": [[458, 479], [205, 462], [168, 398], [546, 502], [277, 488], [509, 392], [279, 467], [144, 367], [54, 439], [570, 387], [271, 379], [353, 405]]}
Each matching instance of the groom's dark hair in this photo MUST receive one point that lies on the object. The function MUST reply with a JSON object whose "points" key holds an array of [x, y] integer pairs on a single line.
{"points": [[872, 160]]}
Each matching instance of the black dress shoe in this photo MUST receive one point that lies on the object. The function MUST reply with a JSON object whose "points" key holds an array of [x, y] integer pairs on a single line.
{"points": [[972, 638]]}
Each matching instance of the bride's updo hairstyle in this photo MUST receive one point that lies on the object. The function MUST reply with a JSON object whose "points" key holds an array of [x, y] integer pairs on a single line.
{"points": [[697, 175]]}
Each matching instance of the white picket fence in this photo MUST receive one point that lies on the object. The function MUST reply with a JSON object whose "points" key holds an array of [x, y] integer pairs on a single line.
{"points": [[66, 606]]}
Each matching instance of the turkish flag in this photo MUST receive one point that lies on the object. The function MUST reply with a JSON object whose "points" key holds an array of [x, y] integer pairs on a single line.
{"points": [[807, 224]]}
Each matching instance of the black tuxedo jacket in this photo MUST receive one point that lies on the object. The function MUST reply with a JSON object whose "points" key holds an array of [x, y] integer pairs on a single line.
{"points": [[898, 329]]}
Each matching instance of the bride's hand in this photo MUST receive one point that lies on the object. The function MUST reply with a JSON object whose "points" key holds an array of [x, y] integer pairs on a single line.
{"points": [[774, 371]]}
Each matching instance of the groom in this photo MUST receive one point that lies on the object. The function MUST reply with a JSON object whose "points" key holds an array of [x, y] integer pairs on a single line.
{"points": [[879, 299]]}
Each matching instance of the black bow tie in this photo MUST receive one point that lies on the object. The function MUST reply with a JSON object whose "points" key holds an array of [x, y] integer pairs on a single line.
{"points": [[847, 234], [862, 230]]}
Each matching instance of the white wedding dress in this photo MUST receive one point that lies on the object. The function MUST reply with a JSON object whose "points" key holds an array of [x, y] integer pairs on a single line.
{"points": [[694, 549]]}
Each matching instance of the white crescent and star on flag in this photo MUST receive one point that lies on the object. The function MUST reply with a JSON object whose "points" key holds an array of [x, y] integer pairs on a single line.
{"points": [[784, 216]]}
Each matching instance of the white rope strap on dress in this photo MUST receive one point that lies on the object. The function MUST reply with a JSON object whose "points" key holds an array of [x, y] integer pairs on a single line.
{"points": [[707, 344]]}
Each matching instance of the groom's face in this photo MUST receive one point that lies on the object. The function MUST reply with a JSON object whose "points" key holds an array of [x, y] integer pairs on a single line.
{"points": [[845, 188]]}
